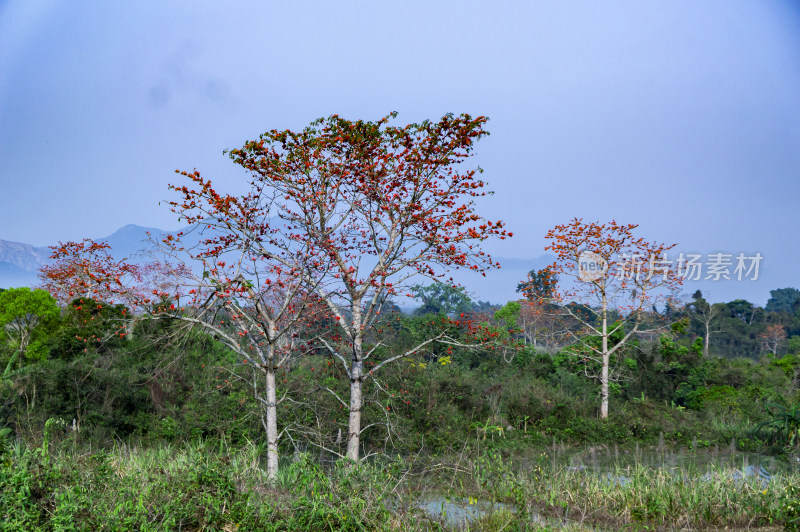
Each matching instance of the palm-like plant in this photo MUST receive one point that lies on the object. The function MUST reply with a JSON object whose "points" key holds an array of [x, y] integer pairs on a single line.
{"points": [[783, 428]]}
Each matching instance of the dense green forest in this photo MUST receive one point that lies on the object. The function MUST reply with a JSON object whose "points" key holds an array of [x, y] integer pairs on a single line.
{"points": [[164, 381]]}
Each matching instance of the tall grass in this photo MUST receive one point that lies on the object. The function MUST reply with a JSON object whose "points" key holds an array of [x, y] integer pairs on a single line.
{"points": [[197, 486], [211, 486]]}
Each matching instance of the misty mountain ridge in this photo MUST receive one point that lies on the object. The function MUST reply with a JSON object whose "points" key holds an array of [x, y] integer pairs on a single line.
{"points": [[20, 262], [23, 256]]}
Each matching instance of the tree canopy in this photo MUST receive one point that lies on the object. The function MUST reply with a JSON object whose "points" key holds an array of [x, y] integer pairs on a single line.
{"points": [[24, 316]]}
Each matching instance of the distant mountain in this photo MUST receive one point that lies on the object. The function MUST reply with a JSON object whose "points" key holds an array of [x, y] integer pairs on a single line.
{"points": [[137, 243], [19, 265], [23, 256], [14, 276], [130, 240]]}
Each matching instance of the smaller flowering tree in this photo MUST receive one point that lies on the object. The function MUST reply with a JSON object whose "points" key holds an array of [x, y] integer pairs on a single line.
{"points": [[253, 287], [85, 278], [87, 269], [618, 275], [97, 288], [773, 338], [542, 325], [540, 321]]}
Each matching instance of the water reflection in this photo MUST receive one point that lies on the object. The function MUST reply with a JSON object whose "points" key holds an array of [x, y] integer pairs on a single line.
{"points": [[617, 467], [707, 463], [459, 512]]}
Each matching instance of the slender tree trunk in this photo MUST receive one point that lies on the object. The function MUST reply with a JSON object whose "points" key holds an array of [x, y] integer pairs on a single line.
{"points": [[23, 346], [604, 371], [604, 378], [272, 425], [707, 339], [356, 385], [354, 423]]}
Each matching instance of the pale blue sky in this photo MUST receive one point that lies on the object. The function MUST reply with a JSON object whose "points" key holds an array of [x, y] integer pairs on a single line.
{"points": [[680, 115]]}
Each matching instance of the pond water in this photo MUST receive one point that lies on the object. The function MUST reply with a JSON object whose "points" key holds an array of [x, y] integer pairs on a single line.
{"points": [[611, 462], [459, 512], [615, 465]]}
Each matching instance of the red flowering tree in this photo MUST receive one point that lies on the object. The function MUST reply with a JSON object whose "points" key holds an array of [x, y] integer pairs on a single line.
{"points": [[542, 325], [366, 206], [87, 278], [616, 275], [773, 338], [249, 287], [87, 269]]}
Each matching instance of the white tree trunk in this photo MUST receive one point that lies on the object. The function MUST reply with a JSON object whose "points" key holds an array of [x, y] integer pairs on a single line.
{"points": [[354, 423], [272, 426], [604, 371], [604, 380], [356, 384]]}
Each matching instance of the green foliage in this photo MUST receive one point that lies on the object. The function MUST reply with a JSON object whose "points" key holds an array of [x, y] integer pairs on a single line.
{"points": [[90, 326], [704, 397], [783, 300], [27, 317], [204, 487], [784, 428], [191, 487], [524, 357], [6, 436], [539, 285], [441, 298], [790, 507], [697, 347], [793, 345], [788, 364], [680, 326], [178, 393], [507, 316]]}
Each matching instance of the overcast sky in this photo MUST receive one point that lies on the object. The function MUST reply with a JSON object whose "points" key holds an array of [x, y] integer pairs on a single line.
{"points": [[680, 115]]}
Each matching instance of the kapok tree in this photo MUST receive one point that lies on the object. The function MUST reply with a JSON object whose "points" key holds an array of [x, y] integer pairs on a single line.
{"points": [[376, 205], [773, 338], [87, 269], [86, 276], [542, 324], [539, 285], [250, 288], [540, 320], [618, 275]]}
